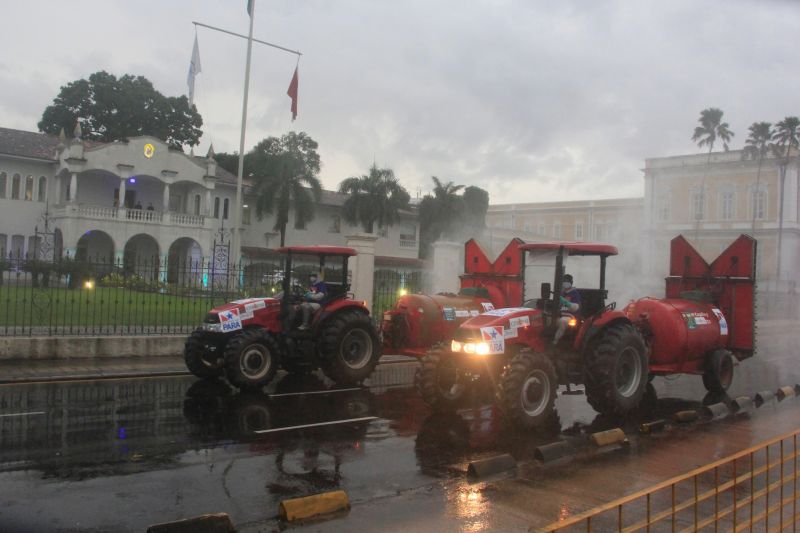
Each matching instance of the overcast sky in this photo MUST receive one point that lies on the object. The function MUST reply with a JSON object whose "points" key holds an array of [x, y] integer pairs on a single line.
{"points": [[532, 100]]}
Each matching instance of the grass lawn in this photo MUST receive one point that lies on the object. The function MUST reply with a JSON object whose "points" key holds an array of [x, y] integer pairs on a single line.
{"points": [[100, 306]]}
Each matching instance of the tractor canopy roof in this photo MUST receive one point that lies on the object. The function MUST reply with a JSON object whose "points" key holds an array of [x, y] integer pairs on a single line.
{"points": [[573, 248], [318, 250]]}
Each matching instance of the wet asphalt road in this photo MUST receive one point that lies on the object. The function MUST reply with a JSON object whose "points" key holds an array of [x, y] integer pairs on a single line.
{"points": [[119, 455]]}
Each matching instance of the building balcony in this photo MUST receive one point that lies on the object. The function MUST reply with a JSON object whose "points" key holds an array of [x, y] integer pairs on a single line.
{"points": [[406, 243], [121, 214]]}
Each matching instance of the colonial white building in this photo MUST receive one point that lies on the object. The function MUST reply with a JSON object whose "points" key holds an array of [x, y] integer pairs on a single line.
{"points": [[139, 200]]}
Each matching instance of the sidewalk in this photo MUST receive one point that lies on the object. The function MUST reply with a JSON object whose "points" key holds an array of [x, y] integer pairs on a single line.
{"points": [[16, 371]]}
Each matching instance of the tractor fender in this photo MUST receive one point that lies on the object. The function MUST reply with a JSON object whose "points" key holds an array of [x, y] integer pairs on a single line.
{"points": [[597, 325], [337, 307]]}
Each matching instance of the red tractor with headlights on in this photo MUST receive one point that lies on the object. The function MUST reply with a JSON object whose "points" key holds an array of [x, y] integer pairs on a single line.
{"points": [[247, 340], [705, 320]]}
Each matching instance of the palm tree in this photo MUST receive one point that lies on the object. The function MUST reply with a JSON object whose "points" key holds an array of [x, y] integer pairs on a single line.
{"points": [[374, 197], [757, 145], [786, 137], [440, 213], [286, 182], [710, 130]]}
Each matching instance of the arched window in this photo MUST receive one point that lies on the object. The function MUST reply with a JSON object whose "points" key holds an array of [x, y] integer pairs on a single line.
{"points": [[216, 207], [29, 189], [15, 186], [42, 189], [225, 209], [3, 176]]}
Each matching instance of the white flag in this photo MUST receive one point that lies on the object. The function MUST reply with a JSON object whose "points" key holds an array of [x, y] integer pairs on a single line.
{"points": [[194, 70]]}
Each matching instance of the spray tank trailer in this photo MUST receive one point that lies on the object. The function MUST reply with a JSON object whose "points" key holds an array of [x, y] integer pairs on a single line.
{"points": [[705, 320]]}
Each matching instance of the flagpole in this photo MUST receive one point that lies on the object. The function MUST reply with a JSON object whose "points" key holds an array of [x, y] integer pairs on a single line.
{"points": [[237, 216]]}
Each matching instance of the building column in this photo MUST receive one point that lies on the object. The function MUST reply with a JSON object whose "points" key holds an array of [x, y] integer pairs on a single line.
{"points": [[447, 263], [362, 266], [73, 187], [121, 195], [166, 197], [207, 207], [56, 190]]}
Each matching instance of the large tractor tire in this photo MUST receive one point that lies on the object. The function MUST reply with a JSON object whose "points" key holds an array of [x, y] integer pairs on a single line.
{"points": [[439, 381], [719, 372], [616, 370], [349, 348], [528, 391], [200, 359], [251, 359]]}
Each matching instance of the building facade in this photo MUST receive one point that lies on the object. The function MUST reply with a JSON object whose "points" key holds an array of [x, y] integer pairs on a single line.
{"points": [[138, 200]]}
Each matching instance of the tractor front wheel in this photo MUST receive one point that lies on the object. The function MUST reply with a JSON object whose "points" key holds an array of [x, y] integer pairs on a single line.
{"points": [[201, 355], [719, 372], [616, 370], [349, 348], [528, 390], [251, 359], [440, 382]]}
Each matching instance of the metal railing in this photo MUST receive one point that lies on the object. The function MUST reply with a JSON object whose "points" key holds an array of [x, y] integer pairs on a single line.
{"points": [[151, 216], [753, 490]]}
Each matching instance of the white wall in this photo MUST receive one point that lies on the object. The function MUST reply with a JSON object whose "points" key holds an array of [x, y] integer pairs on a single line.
{"points": [[20, 217]]}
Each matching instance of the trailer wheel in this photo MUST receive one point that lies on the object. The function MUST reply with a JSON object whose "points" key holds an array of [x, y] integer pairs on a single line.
{"points": [[528, 391], [349, 348], [251, 359], [719, 372], [616, 370], [201, 354], [440, 382]]}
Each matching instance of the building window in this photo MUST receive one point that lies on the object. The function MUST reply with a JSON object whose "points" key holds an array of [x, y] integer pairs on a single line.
{"points": [[578, 231], [29, 189], [216, 207], [408, 232], [225, 205], [336, 224], [727, 203], [759, 207], [3, 246], [3, 176], [662, 209], [15, 186], [598, 232], [556, 230], [698, 205], [246, 214], [542, 228], [196, 204], [17, 245], [42, 189]]}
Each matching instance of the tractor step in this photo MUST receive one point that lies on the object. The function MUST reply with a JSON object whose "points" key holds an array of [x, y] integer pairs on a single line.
{"points": [[569, 392]]}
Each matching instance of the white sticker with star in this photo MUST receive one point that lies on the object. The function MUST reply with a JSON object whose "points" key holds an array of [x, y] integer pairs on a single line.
{"points": [[493, 335], [230, 320]]}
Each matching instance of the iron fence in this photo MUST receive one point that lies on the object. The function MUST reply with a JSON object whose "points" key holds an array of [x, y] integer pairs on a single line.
{"points": [[129, 296], [388, 285], [753, 490]]}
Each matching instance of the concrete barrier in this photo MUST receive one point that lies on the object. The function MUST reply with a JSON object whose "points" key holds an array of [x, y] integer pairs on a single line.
{"points": [[785, 392], [685, 416], [314, 506], [763, 397], [742, 404], [552, 451], [717, 411], [87, 347], [491, 465], [608, 437], [653, 426]]}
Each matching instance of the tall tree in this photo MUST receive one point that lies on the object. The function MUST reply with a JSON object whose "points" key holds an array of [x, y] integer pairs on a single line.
{"points": [[447, 214], [112, 109], [476, 204], [374, 197], [284, 174], [786, 139], [757, 145], [710, 130]]}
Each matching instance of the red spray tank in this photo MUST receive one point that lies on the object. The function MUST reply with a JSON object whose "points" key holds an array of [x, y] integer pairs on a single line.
{"points": [[707, 307], [419, 321]]}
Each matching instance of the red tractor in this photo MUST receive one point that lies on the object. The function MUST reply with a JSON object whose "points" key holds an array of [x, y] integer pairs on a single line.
{"points": [[612, 352], [247, 340]]}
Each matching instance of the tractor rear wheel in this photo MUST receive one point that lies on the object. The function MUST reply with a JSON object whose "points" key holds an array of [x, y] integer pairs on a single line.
{"points": [[528, 390], [251, 359], [719, 372], [616, 370], [440, 382], [200, 359], [349, 347]]}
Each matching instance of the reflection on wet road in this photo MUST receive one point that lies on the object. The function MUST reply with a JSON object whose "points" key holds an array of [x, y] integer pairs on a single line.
{"points": [[120, 455]]}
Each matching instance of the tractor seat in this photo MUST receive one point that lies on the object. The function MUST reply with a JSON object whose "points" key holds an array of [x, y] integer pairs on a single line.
{"points": [[336, 291], [592, 301]]}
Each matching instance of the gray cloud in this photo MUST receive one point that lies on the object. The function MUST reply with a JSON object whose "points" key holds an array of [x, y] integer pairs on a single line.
{"points": [[531, 100]]}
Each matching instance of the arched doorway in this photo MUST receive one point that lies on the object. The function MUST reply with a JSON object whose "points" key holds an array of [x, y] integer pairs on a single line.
{"points": [[184, 263], [58, 244], [141, 257], [95, 246]]}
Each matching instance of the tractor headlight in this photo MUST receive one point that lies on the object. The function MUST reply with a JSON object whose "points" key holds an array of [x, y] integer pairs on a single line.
{"points": [[213, 328], [469, 347], [455, 346], [482, 348]]}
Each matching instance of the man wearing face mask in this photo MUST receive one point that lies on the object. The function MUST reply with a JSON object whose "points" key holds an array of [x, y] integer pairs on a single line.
{"points": [[570, 305], [316, 293]]}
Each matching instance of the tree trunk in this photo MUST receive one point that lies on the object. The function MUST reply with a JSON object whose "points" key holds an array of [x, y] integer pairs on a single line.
{"points": [[758, 184], [283, 234], [780, 221], [369, 227], [702, 198]]}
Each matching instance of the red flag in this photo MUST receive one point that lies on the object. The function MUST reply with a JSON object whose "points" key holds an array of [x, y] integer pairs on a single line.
{"points": [[292, 92]]}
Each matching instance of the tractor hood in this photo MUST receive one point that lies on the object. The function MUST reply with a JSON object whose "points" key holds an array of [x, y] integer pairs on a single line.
{"points": [[510, 319], [247, 307]]}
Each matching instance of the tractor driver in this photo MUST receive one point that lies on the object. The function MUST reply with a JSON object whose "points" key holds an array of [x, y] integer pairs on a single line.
{"points": [[314, 297], [570, 305]]}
